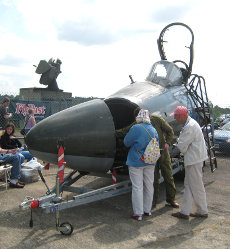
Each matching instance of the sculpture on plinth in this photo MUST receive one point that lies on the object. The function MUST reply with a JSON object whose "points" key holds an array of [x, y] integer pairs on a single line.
{"points": [[49, 72]]}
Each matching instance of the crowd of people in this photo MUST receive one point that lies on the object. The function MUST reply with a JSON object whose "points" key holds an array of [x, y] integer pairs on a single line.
{"points": [[11, 149]]}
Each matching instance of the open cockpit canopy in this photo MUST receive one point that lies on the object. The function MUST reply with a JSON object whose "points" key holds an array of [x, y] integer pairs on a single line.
{"points": [[166, 74]]}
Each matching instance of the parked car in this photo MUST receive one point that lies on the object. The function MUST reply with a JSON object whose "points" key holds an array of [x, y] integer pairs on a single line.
{"points": [[217, 122], [225, 121], [222, 139]]}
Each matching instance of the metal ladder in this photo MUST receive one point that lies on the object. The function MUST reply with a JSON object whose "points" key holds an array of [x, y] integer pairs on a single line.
{"points": [[196, 89]]}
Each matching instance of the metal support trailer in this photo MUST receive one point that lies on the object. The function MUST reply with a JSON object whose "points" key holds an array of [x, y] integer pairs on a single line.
{"points": [[53, 203]]}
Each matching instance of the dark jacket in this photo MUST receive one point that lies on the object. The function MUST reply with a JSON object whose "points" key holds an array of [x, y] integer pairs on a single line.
{"points": [[9, 143]]}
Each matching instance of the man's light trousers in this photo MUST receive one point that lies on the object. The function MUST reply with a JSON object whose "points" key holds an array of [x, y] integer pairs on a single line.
{"points": [[194, 190]]}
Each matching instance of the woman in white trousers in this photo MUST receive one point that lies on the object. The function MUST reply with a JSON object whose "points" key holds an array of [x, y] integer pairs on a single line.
{"points": [[141, 174]]}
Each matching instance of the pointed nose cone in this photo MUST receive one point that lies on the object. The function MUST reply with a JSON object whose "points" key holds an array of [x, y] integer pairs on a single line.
{"points": [[87, 132]]}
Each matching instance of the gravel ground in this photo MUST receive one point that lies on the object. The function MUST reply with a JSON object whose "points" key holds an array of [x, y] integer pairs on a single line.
{"points": [[107, 223]]}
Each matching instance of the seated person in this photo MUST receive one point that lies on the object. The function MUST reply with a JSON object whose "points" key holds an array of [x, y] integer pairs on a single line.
{"points": [[8, 141], [11, 157]]}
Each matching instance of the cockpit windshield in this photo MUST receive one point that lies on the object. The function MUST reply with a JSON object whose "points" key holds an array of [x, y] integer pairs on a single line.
{"points": [[166, 74]]}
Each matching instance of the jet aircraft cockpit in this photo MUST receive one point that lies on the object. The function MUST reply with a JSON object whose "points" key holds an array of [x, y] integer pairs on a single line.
{"points": [[166, 74]]}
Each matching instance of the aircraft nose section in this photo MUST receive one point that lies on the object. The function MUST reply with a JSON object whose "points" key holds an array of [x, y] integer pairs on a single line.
{"points": [[88, 133]]}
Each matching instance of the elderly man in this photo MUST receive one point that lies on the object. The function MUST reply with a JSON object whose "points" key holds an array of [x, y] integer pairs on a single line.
{"points": [[191, 143]]}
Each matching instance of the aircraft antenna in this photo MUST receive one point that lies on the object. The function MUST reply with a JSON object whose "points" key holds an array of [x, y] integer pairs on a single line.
{"points": [[131, 78]]}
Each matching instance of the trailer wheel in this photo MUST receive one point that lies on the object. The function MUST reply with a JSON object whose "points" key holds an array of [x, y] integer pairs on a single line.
{"points": [[66, 228]]}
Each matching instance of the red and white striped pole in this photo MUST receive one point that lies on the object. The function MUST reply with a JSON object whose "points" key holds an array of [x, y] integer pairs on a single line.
{"points": [[61, 163], [114, 176]]}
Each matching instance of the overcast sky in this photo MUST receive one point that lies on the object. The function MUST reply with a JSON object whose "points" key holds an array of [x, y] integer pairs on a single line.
{"points": [[102, 42]]}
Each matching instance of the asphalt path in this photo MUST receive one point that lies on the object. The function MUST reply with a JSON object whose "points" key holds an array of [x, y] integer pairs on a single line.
{"points": [[107, 223]]}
